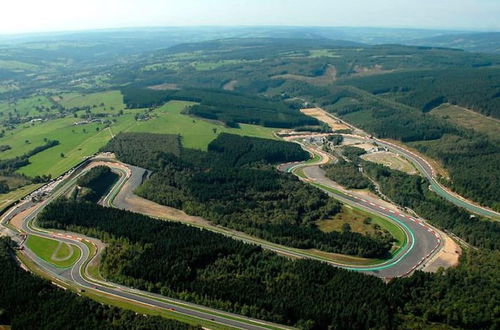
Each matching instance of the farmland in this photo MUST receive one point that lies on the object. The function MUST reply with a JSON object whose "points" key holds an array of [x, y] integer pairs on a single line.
{"points": [[103, 102], [77, 142], [196, 133]]}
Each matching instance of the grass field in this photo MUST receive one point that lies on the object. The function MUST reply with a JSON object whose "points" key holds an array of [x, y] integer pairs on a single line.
{"points": [[196, 133], [24, 107], [17, 65], [59, 254], [110, 99], [391, 160], [469, 119], [315, 53], [204, 66], [77, 142], [355, 219]]}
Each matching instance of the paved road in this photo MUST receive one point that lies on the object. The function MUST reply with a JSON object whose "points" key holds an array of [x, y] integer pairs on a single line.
{"points": [[423, 240], [406, 261], [74, 275], [426, 169]]}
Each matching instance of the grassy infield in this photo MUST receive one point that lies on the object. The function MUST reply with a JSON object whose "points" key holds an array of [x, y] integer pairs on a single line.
{"points": [[49, 250]]}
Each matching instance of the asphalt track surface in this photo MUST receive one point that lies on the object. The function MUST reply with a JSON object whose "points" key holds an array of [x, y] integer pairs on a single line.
{"points": [[422, 243], [75, 274], [428, 172]]}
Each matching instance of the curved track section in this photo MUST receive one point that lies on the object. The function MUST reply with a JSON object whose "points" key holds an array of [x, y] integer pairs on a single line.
{"points": [[423, 241], [428, 172], [77, 275]]}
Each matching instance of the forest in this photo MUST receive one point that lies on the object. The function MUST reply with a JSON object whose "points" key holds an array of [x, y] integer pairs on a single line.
{"points": [[94, 184], [347, 174], [471, 88], [228, 107], [30, 302], [235, 185], [412, 191], [211, 269], [346, 171]]}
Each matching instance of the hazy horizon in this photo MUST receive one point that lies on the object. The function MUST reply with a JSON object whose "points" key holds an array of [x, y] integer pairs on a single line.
{"points": [[32, 16]]}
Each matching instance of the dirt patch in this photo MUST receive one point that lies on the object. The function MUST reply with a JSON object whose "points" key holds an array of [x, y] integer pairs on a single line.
{"points": [[230, 86], [449, 256], [342, 258], [328, 77], [17, 221], [140, 205], [322, 115], [362, 71], [165, 87]]}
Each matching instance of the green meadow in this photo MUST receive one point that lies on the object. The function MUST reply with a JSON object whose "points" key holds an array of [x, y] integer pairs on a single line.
{"points": [[78, 142]]}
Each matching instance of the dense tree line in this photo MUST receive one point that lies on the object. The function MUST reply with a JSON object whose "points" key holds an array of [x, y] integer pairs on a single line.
{"points": [[97, 182], [146, 147], [240, 150], [29, 302], [234, 185], [208, 268], [476, 89], [473, 163], [347, 174], [412, 191], [231, 108], [465, 297]]}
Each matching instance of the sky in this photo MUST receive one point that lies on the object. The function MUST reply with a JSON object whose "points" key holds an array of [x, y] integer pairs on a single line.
{"points": [[21, 16]]}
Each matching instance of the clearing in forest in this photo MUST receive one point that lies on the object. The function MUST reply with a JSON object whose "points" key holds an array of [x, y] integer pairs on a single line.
{"points": [[469, 119], [328, 77], [323, 116]]}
